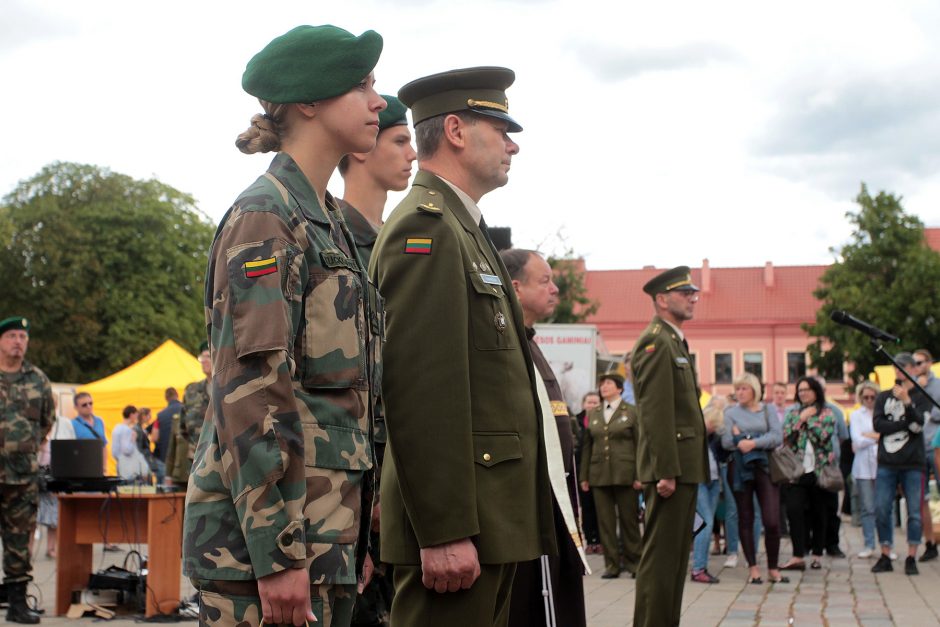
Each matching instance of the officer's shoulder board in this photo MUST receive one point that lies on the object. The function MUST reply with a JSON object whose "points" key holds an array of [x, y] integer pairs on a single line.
{"points": [[430, 202]]}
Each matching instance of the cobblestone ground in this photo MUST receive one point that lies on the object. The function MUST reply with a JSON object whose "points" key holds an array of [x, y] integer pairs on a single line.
{"points": [[844, 592]]}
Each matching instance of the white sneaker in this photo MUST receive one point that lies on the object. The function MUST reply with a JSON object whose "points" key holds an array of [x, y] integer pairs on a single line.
{"points": [[732, 561], [866, 553]]}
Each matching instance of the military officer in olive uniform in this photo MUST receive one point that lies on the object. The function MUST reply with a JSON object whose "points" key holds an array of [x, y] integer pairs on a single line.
{"points": [[465, 491], [187, 425], [671, 448], [27, 412], [608, 469]]}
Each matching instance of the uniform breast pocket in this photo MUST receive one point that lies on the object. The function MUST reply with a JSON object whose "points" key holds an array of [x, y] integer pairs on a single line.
{"points": [[333, 347], [490, 322]]}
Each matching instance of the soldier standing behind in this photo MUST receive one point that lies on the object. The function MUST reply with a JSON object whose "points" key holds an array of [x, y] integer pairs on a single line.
{"points": [[547, 591], [27, 412], [275, 501], [671, 453], [465, 487], [188, 426]]}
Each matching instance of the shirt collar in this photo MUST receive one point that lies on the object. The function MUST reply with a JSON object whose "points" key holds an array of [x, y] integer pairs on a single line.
{"points": [[676, 329], [468, 202]]}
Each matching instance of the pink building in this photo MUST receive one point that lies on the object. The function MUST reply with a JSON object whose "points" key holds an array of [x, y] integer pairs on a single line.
{"points": [[746, 319]]}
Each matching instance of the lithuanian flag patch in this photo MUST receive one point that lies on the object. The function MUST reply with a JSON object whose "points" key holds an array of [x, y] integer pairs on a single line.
{"points": [[254, 269], [418, 246], [650, 348]]}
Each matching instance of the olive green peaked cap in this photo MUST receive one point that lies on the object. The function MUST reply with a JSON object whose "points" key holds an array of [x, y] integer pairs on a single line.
{"points": [[393, 114], [478, 89], [679, 278], [311, 63], [16, 322]]}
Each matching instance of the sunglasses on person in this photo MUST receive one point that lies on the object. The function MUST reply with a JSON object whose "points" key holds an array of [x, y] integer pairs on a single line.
{"points": [[86, 404], [919, 363], [868, 397]]}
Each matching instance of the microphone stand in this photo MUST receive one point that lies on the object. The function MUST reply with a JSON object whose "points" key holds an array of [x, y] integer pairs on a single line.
{"points": [[879, 347]]}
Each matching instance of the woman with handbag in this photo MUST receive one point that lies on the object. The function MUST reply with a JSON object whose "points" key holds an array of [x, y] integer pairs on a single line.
{"points": [[752, 432], [808, 430], [865, 464]]}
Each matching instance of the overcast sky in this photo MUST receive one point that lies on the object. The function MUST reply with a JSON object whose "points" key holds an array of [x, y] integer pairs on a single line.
{"points": [[656, 133]]}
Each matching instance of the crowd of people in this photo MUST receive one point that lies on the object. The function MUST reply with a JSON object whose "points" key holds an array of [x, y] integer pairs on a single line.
{"points": [[379, 439]]}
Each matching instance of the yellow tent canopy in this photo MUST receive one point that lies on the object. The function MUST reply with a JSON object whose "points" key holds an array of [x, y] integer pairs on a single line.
{"points": [[884, 375], [143, 384]]}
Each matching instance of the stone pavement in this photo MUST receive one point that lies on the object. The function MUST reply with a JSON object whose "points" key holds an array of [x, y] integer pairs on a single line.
{"points": [[843, 593]]}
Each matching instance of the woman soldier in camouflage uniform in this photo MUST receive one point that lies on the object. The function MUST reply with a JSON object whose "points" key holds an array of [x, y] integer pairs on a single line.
{"points": [[274, 507]]}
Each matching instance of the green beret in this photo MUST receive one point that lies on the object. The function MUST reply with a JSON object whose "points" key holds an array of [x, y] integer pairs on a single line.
{"points": [[311, 63], [676, 279], [478, 89], [394, 114], [203, 348], [18, 323]]}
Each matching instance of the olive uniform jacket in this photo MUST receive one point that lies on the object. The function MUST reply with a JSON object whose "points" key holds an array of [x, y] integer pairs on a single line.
{"points": [[608, 454], [363, 232], [671, 429], [465, 454]]}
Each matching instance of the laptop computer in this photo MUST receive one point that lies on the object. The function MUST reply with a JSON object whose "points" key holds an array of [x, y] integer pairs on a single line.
{"points": [[76, 459]]}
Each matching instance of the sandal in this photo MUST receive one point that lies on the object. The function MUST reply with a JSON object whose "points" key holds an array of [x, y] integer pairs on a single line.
{"points": [[781, 579], [792, 565], [815, 565], [756, 580]]}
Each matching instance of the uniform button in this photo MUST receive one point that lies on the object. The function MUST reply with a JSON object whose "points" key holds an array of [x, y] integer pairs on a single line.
{"points": [[606, 448], [431, 192], [678, 436], [487, 457], [606, 438]]}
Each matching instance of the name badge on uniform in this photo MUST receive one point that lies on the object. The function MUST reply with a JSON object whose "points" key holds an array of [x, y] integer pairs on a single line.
{"points": [[682, 361], [491, 279]]}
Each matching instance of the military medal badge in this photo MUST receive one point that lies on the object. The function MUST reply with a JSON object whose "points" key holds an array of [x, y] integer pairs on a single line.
{"points": [[500, 321]]}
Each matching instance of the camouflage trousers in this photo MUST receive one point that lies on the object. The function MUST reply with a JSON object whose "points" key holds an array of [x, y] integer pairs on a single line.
{"points": [[236, 604], [18, 505]]}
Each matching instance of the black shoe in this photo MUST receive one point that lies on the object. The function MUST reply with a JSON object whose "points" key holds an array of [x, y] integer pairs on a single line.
{"points": [[883, 565], [910, 566], [610, 575], [930, 553], [835, 552]]}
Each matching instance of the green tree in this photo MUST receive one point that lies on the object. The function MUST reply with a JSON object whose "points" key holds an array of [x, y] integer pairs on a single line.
{"points": [[886, 275], [573, 302], [106, 267]]}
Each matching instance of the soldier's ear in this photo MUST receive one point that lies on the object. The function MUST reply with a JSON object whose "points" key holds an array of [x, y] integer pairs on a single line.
{"points": [[455, 130]]}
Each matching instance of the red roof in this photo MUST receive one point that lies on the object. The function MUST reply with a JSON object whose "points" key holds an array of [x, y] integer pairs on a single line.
{"points": [[728, 294], [757, 294]]}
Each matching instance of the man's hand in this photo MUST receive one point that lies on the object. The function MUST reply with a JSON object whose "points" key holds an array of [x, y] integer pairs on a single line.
{"points": [[450, 567], [285, 598], [585, 486], [901, 393], [807, 413], [746, 446], [665, 487], [637, 485]]}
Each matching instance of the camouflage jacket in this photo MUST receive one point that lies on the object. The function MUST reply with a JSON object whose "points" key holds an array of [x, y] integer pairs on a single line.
{"points": [[295, 331], [186, 431], [27, 412]]}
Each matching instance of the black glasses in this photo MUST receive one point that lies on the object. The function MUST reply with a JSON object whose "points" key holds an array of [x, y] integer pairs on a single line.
{"points": [[919, 363], [868, 397], [804, 390], [86, 404]]}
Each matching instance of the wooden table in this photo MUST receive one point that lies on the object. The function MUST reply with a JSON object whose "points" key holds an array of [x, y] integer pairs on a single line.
{"points": [[152, 519]]}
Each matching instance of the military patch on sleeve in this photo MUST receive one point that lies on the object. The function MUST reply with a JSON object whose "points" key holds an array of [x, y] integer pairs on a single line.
{"points": [[559, 408], [418, 246], [650, 348], [254, 269]]}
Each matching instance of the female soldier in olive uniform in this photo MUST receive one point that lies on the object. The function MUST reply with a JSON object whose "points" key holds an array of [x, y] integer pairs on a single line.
{"points": [[275, 498], [608, 469]]}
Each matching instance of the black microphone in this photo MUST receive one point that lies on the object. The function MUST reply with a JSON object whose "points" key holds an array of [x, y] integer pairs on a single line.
{"points": [[874, 332]]}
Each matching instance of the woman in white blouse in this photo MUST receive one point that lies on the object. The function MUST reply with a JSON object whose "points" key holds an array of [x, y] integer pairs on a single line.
{"points": [[865, 466]]}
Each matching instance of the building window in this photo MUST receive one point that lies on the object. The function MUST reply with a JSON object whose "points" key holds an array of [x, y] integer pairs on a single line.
{"points": [[723, 367], [754, 363], [796, 366]]}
